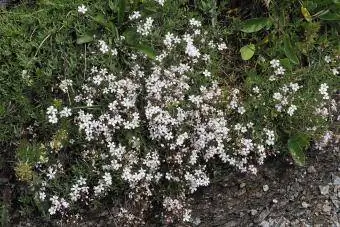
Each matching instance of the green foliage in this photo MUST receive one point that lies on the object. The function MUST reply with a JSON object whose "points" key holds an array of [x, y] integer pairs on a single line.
{"points": [[49, 42], [247, 52], [297, 146]]}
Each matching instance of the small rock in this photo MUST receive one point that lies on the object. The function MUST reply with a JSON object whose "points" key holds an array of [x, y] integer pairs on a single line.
{"points": [[311, 169], [275, 201], [264, 224], [242, 185], [265, 188], [231, 224], [262, 215], [336, 180], [324, 190], [253, 212], [305, 205], [196, 221], [336, 202], [326, 208]]}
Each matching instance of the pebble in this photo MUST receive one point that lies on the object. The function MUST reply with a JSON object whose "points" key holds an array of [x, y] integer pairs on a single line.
{"points": [[324, 190], [275, 201], [265, 188], [326, 208], [242, 185], [305, 205], [336, 180], [264, 224], [311, 169], [253, 212]]}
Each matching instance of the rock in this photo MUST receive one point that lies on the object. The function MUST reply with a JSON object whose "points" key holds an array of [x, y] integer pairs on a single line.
{"points": [[324, 190], [305, 205], [265, 188], [264, 224], [275, 201], [231, 224], [336, 202], [196, 221], [311, 169], [262, 215], [253, 212], [336, 180], [242, 185], [326, 208]]}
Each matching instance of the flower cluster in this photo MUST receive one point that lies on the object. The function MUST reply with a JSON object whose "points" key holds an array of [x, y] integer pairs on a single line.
{"points": [[278, 69], [156, 123], [285, 97]]}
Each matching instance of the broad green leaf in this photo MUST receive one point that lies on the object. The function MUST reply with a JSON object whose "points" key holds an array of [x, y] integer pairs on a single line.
{"points": [[289, 51], [130, 37], [297, 145], [330, 16], [100, 19], [306, 14], [149, 51], [255, 25], [84, 39], [247, 52], [121, 11]]}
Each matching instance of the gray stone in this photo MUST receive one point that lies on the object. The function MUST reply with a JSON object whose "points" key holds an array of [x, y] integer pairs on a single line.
{"points": [[336, 180], [262, 215], [326, 208], [324, 190], [253, 212], [305, 205], [311, 169]]}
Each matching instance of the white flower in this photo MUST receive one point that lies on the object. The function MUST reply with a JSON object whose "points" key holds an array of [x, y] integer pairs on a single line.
{"points": [[328, 59], [335, 71], [277, 96], [65, 112], [161, 2], [195, 23], [241, 110], [42, 195], [256, 90], [206, 73], [323, 90], [275, 63], [280, 71], [82, 9], [135, 15], [145, 29], [291, 110]]}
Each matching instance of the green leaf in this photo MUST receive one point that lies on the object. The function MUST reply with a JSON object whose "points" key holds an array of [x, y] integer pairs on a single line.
{"points": [[149, 51], [130, 37], [84, 39], [100, 19], [121, 11], [306, 14], [330, 16], [255, 25], [297, 145], [247, 52], [289, 51], [112, 6]]}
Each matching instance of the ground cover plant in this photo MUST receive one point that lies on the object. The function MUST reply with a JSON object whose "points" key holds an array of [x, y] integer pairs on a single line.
{"points": [[132, 105]]}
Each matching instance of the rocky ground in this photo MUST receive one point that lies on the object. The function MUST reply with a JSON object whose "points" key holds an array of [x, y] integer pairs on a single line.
{"points": [[281, 194]]}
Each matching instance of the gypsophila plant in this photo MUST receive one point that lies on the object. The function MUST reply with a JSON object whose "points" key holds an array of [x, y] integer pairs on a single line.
{"points": [[142, 99], [158, 120]]}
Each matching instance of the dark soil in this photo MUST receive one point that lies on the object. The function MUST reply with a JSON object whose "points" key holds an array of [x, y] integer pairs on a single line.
{"points": [[293, 199]]}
